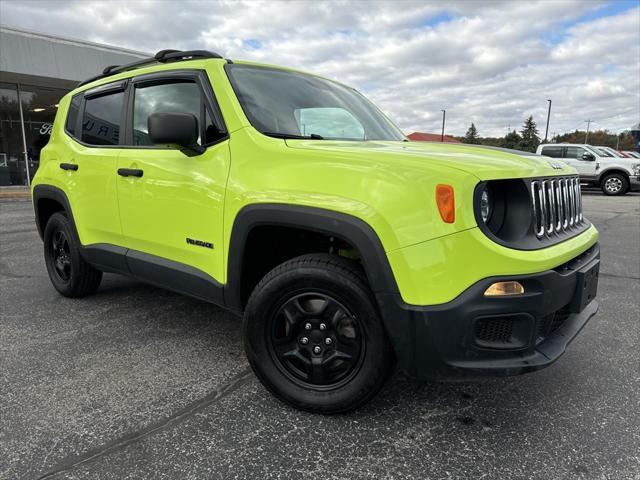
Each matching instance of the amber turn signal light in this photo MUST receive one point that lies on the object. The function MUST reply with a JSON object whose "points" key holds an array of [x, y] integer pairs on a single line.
{"points": [[446, 202], [500, 289]]}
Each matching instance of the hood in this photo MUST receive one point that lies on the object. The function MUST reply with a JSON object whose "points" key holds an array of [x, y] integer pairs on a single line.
{"points": [[484, 163]]}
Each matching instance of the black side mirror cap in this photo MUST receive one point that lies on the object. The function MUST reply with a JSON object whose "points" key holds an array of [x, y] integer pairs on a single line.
{"points": [[174, 129], [588, 156]]}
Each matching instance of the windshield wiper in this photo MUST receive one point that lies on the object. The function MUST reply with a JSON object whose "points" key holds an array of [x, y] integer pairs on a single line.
{"points": [[291, 136]]}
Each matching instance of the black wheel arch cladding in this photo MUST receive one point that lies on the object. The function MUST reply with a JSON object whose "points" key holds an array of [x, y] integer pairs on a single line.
{"points": [[340, 225]]}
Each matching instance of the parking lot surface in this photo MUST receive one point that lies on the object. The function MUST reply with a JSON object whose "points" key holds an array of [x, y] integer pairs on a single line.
{"points": [[136, 382]]}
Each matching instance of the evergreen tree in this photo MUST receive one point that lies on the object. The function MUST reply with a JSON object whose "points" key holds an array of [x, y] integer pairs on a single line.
{"points": [[530, 139], [472, 135], [511, 140]]}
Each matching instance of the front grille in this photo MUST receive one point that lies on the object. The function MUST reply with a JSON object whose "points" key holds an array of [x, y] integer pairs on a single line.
{"points": [[557, 205]]}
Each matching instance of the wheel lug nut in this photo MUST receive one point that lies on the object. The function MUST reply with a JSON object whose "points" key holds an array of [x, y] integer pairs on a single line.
{"points": [[328, 341], [304, 340], [323, 326], [316, 350], [307, 326]]}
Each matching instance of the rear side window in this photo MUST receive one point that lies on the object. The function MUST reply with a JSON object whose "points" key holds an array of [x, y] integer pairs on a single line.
{"points": [[101, 119], [72, 116], [555, 152], [171, 97]]}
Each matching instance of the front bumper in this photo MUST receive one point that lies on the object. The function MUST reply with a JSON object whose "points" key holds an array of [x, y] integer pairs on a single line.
{"points": [[634, 183], [474, 336]]}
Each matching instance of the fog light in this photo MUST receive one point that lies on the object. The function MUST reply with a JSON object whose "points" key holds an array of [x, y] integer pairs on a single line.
{"points": [[500, 289]]}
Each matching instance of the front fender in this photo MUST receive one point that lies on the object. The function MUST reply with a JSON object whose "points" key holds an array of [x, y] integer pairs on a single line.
{"points": [[340, 225]]}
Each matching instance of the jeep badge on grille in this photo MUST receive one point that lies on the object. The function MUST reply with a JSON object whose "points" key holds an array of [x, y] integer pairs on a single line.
{"points": [[555, 165]]}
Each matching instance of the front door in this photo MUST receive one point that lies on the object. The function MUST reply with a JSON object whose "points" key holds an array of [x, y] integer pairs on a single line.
{"points": [[586, 168], [171, 201]]}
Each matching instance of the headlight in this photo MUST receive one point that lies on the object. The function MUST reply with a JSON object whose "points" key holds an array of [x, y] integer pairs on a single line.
{"points": [[486, 207], [490, 201], [636, 169]]}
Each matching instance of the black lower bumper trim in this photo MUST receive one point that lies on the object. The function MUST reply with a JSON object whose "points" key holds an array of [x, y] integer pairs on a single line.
{"points": [[474, 336]]}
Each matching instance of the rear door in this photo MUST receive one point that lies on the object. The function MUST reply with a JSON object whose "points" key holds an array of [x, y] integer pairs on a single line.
{"points": [[172, 214], [552, 151], [90, 169]]}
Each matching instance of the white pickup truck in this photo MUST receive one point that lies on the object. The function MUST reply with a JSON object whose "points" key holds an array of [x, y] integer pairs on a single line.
{"points": [[614, 175]]}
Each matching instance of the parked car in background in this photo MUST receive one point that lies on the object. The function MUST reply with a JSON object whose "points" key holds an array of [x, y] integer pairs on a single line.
{"points": [[615, 175], [610, 152], [603, 152], [631, 154]]}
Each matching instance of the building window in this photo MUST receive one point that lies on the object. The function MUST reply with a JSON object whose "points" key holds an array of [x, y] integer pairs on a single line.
{"points": [[12, 166], [39, 107]]}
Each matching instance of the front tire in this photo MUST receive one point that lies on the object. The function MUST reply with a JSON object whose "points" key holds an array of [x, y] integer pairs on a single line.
{"points": [[70, 274], [313, 335], [615, 184]]}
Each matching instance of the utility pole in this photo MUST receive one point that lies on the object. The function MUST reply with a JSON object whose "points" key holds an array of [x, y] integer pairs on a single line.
{"points": [[546, 133], [586, 137], [444, 113]]}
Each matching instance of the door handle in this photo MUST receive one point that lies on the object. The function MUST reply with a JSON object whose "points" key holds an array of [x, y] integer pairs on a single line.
{"points": [[69, 166], [130, 172]]}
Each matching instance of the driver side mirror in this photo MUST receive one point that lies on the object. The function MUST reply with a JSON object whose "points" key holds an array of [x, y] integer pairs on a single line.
{"points": [[589, 157], [174, 129]]}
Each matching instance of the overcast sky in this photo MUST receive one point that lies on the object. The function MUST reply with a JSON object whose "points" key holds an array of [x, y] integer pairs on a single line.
{"points": [[491, 63]]}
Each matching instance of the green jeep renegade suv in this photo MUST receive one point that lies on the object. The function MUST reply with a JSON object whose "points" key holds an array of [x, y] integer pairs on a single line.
{"points": [[293, 201]]}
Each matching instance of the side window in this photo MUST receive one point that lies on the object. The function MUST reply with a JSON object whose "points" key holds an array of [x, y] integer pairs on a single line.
{"points": [[72, 116], [174, 97], [555, 152], [575, 152], [101, 119]]}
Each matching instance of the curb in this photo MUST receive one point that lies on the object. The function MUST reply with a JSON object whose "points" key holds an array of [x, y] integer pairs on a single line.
{"points": [[15, 194]]}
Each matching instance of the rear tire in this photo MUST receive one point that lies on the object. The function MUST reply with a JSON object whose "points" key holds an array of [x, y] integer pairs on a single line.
{"points": [[313, 335], [70, 274], [615, 184]]}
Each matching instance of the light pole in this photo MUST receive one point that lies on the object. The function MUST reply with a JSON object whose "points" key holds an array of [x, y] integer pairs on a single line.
{"points": [[546, 133], [586, 137], [444, 113]]}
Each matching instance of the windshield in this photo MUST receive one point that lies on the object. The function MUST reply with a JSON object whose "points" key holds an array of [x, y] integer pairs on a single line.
{"points": [[614, 153], [288, 104], [602, 152]]}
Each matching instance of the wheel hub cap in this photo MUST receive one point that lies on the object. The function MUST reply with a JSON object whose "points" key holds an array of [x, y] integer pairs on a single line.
{"points": [[316, 341], [613, 184]]}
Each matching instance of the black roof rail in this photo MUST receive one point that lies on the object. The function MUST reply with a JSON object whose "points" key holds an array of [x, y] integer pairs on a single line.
{"points": [[163, 56]]}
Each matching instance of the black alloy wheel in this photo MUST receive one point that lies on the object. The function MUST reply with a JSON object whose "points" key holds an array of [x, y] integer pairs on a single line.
{"points": [[316, 341], [68, 271], [314, 337], [61, 255]]}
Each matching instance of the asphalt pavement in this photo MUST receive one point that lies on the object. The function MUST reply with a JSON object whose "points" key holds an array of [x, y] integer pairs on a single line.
{"points": [[137, 382]]}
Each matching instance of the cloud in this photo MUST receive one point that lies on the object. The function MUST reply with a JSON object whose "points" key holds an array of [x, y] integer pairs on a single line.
{"points": [[493, 63]]}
